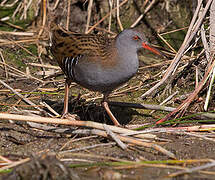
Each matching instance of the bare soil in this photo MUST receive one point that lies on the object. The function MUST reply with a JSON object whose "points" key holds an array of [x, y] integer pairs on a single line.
{"points": [[19, 141]]}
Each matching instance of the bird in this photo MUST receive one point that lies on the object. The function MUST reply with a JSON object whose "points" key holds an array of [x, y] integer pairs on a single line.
{"points": [[97, 62]]}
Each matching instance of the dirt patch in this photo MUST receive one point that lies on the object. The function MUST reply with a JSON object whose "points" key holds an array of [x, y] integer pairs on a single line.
{"points": [[18, 141]]}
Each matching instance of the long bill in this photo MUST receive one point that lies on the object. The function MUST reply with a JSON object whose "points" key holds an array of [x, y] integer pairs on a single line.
{"points": [[146, 46]]}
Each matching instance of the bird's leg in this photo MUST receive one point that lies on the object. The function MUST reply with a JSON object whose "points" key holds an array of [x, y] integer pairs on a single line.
{"points": [[110, 114], [65, 113]]}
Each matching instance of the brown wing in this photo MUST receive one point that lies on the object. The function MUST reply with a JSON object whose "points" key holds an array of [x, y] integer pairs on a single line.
{"points": [[69, 44]]}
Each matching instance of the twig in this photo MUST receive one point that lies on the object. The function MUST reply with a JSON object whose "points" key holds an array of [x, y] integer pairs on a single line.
{"points": [[130, 140], [94, 156], [89, 10], [5, 67], [176, 30], [117, 140], [5, 159], [44, 5], [191, 170], [71, 122], [8, 5], [49, 108], [21, 96], [199, 136], [209, 90], [55, 5], [75, 140], [32, 40], [142, 15], [18, 33], [16, 163], [173, 50], [110, 18], [105, 17], [26, 7], [92, 125], [159, 108], [142, 106], [16, 10], [205, 43], [68, 14], [117, 15], [22, 73], [44, 65], [166, 100]]}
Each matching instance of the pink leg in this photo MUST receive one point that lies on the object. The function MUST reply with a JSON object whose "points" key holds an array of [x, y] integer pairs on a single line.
{"points": [[65, 113], [110, 114]]}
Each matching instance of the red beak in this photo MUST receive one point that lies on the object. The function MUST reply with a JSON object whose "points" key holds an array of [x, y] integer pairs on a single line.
{"points": [[151, 49]]}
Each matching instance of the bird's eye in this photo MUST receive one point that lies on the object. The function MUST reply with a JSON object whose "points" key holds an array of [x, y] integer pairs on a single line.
{"points": [[136, 38]]}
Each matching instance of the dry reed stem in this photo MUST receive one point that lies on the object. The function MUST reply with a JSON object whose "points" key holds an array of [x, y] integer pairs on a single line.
{"points": [[114, 137], [173, 31], [21, 96], [26, 7], [110, 17], [200, 128], [32, 40], [55, 5], [158, 108], [6, 4], [5, 67], [122, 3], [45, 66], [14, 164], [205, 43], [24, 48], [182, 108], [75, 140], [22, 73], [142, 15], [44, 13], [130, 140], [193, 28], [17, 33], [5, 159], [17, 10], [191, 170], [173, 50], [71, 122], [161, 166], [115, 129], [117, 15], [89, 11], [68, 14], [166, 100]]}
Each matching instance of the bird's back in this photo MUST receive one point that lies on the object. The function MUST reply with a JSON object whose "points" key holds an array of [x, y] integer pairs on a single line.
{"points": [[71, 44]]}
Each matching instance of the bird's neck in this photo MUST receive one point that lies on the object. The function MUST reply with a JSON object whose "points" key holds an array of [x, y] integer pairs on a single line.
{"points": [[124, 48], [128, 58]]}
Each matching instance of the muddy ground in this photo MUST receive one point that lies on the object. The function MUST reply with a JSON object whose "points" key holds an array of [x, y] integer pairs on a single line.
{"points": [[49, 151]]}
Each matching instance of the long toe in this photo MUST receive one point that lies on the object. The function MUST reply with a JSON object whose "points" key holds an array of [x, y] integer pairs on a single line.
{"points": [[70, 116]]}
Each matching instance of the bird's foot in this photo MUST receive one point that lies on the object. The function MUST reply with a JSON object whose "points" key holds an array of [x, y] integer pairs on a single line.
{"points": [[70, 116]]}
